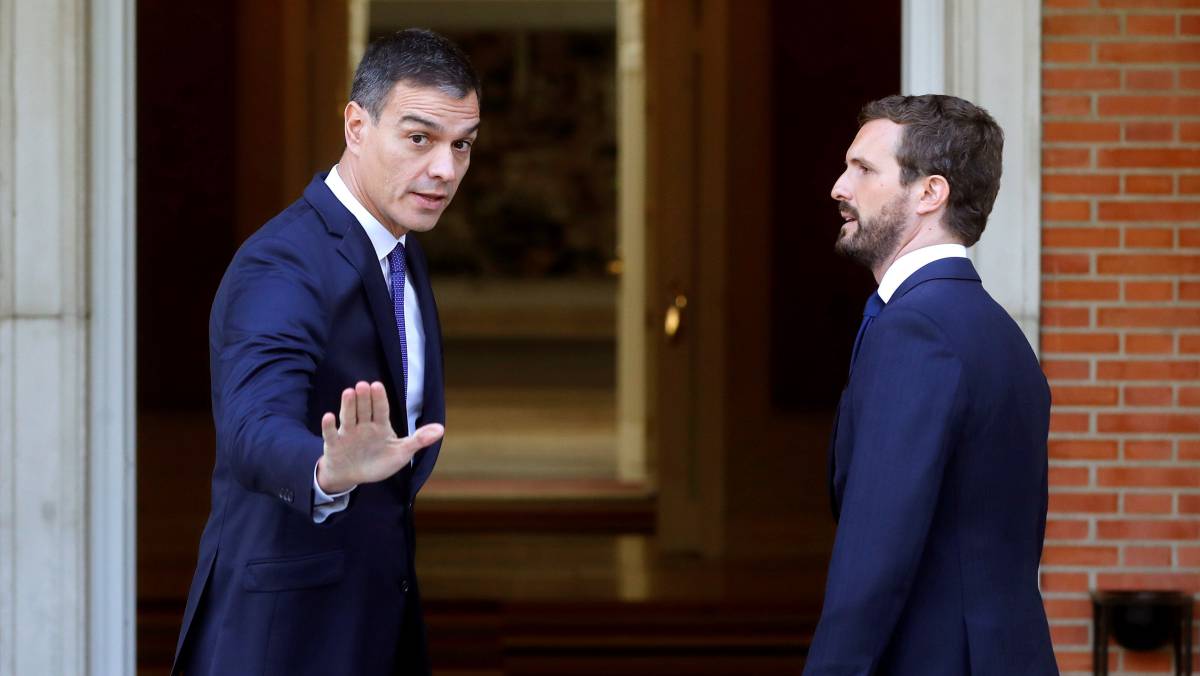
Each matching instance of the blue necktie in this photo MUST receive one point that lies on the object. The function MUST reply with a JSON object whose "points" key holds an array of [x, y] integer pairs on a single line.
{"points": [[397, 265], [870, 311]]}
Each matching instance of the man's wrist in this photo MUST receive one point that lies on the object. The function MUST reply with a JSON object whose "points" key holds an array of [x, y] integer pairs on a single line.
{"points": [[327, 479]]}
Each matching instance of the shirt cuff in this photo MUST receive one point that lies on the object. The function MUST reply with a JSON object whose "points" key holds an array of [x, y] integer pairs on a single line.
{"points": [[325, 505]]}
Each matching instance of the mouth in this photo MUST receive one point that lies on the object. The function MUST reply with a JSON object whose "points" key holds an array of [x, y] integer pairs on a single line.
{"points": [[848, 218], [430, 200]]}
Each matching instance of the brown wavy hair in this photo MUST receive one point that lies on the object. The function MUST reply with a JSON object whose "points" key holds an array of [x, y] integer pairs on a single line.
{"points": [[952, 138]]}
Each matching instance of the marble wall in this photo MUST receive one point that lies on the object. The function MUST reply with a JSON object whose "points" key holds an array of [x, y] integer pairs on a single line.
{"points": [[51, 142]]}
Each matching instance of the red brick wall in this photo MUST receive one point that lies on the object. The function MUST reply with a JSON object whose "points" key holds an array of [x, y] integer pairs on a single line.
{"points": [[1121, 308]]}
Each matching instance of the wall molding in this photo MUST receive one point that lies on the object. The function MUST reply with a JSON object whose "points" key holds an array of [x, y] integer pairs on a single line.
{"points": [[112, 456]]}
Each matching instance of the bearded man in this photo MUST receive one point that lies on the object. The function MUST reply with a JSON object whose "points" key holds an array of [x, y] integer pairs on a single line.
{"points": [[938, 459]]}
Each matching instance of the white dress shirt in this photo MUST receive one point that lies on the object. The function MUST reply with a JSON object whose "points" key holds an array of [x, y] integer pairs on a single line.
{"points": [[904, 266], [414, 331]]}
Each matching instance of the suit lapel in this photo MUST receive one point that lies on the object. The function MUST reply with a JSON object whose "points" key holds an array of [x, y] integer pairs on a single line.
{"points": [[433, 406], [357, 250]]}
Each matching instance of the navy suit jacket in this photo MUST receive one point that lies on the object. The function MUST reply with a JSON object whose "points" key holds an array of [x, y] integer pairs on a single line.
{"points": [[303, 312], [938, 472]]}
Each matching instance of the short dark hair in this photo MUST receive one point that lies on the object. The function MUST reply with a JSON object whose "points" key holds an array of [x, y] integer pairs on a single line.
{"points": [[953, 138], [415, 56]]}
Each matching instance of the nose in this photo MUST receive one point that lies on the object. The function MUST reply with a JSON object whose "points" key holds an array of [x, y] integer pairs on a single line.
{"points": [[442, 166], [841, 189]]}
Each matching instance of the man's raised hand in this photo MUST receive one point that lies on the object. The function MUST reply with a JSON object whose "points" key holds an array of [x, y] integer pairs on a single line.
{"points": [[365, 448]]}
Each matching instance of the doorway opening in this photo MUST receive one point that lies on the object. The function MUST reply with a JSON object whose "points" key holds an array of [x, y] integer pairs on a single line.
{"points": [[539, 270], [528, 261]]}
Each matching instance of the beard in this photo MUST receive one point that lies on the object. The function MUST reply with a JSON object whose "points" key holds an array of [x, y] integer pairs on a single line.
{"points": [[874, 240]]}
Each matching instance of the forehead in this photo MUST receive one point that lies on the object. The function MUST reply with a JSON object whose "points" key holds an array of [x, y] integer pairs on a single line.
{"points": [[876, 141], [433, 104]]}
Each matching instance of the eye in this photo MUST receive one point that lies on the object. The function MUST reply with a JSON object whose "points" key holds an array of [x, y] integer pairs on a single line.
{"points": [[463, 145], [419, 139]]}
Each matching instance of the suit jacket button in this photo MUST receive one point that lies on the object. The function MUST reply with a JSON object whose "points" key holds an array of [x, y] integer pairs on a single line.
{"points": [[404, 586]]}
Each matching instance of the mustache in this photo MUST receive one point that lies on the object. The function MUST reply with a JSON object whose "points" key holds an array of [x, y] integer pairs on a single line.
{"points": [[848, 211]]}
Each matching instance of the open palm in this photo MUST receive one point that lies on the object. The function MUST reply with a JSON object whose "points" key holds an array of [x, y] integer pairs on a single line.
{"points": [[365, 448]]}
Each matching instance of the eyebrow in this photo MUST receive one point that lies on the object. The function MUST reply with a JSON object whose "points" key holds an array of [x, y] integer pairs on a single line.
{"points": [[425, 122], [859, 160]]}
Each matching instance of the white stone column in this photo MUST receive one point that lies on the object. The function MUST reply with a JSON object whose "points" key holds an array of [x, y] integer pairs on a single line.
{"points": [[990, 54], [43, 369], [51, 198]]}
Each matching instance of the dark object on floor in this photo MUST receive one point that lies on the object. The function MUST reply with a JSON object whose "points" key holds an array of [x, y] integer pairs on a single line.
{"points": [[1142, 620]]}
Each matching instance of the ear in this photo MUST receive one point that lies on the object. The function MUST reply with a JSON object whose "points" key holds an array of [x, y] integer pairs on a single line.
{"points": [[357, 119], [934, 194]]}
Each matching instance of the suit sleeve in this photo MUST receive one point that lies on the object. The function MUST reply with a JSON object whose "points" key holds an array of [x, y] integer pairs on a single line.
{"points": [[268, 335], [907, 397]]}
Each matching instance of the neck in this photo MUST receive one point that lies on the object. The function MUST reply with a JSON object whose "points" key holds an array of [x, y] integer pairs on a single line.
{"points": [[347, 168], [926, 233]]}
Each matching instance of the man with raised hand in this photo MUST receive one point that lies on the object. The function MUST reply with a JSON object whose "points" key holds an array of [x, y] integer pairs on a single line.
{"points": [[306, 561]]}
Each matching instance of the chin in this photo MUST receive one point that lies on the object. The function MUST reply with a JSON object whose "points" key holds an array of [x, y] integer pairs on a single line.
{"points": [[415, 221], [847, 245], [422, 224]]}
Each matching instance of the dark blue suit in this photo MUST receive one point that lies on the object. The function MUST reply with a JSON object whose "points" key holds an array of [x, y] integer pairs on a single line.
{"points": [[302, 313], [939, 486]]}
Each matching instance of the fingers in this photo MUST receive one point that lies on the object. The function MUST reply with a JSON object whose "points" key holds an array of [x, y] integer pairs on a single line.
{"points": [[349, 412], [380, 411], [329, 428], [362, 394]]}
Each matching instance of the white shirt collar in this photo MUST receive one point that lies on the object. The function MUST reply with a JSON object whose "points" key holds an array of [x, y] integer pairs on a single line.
{"points": [[912, 261], [381, 238]]}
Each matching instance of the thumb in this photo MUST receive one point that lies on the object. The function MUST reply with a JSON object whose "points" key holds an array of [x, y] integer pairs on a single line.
{"points": [[429, 434]]}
